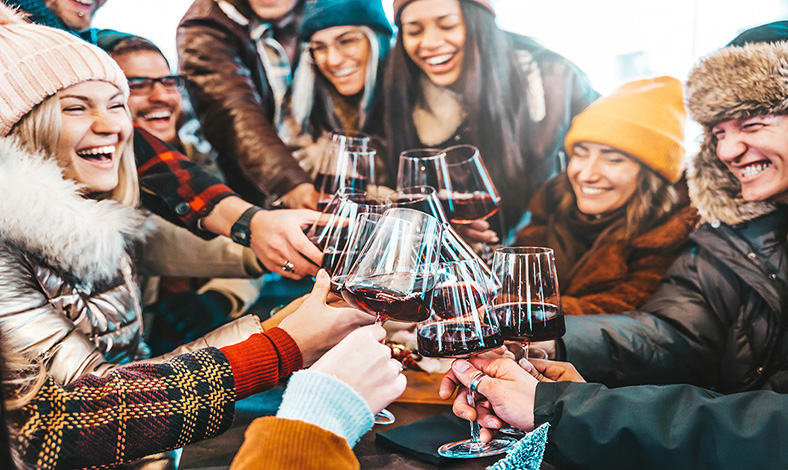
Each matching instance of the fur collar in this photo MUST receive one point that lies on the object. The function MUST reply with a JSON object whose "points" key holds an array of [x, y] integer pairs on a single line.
{"points": [[715, 192], [45, 215], [438, 114], [731, 83]]}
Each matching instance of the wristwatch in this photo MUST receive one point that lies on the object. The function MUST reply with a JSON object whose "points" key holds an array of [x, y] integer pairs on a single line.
{"points": [[240, 233]]}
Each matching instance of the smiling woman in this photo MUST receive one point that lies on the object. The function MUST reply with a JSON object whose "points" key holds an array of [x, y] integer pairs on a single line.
{"points": [[337, 86], [614, 218], [76, 14]]}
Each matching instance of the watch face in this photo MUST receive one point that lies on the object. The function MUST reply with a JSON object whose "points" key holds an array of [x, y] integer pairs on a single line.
{"points": [[240, 236]]}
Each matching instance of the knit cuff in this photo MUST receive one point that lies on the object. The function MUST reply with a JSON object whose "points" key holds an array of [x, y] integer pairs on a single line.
{"points": [[262, 360], [527, 453], [325, 401]]}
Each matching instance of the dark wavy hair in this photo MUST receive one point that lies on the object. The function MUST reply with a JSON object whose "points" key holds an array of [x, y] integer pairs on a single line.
{"points": [[492, 87]]}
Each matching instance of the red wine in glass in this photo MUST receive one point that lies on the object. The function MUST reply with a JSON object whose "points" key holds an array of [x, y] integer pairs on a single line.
{"points": [[443, 303], [530, 322], [373, 295], [456, 339], [464, 208]]}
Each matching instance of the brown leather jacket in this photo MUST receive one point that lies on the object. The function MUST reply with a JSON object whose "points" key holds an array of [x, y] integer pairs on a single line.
{"points": [[231, 96]]}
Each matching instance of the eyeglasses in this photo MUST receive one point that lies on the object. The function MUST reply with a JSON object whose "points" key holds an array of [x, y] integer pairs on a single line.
{"points": [[144, 85], [348, 45]]}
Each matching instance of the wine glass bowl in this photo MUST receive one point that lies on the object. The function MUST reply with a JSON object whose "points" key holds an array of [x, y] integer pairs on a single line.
{"points": [[362, 229], [528, 306], [422, 167], [348, 162], [462, 321], [470, 194], [394, 275], [331, 229]]}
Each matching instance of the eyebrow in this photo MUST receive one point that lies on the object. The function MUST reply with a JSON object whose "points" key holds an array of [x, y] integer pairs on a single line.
{"points": [[440, 18], [85, 98], [604, 151]]}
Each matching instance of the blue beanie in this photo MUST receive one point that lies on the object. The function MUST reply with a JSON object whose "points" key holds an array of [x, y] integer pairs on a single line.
{"points": [[322, 14]]}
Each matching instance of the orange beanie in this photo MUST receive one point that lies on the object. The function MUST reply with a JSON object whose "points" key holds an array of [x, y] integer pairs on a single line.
{"points": [[644, 119]]}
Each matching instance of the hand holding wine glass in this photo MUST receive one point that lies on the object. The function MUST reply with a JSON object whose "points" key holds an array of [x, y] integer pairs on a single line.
{"points": [[462, 324], [528, 307]]}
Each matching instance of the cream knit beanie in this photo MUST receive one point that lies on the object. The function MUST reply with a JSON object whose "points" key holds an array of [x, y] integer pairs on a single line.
{"points": [[38, 61]]}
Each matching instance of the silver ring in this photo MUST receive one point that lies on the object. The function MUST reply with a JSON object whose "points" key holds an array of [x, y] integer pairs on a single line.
{"points": [[477, 377], [401, 367], [288, 267]]}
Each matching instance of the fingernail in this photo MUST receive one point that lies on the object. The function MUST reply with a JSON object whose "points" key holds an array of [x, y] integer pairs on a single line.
{"points": [[526, 365], [322, 273], [460, 366], [490, 422]]}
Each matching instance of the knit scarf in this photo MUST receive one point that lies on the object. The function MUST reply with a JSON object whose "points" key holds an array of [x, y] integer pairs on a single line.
{"points": [[577, 235]]}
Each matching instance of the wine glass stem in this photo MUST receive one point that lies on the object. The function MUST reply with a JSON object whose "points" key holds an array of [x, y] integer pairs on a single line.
{"points": [[380, 319], [525, 350], [475, 428]]}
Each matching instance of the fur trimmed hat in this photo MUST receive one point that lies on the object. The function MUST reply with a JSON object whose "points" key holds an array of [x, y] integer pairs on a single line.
{"points": [[731, 83], [38, 61]]}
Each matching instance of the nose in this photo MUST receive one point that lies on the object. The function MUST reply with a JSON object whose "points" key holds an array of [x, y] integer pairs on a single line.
{"points": [[731, 147], [589, 170], [432, 38], [334, 56], [103, 123], [159, 92]]}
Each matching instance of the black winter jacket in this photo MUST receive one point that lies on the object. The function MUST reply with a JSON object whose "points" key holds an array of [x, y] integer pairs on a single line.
{"points": [[715, 322]]}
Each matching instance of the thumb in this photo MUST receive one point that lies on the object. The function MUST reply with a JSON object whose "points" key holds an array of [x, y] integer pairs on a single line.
{"points": [[321, 288], [466, 372]]}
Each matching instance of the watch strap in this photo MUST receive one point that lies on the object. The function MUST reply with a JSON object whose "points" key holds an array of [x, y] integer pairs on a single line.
{"points": [[240, 232]]}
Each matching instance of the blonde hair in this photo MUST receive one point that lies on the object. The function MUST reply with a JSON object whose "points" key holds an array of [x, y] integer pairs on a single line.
{"points": [[653, 201], [39, 132]]}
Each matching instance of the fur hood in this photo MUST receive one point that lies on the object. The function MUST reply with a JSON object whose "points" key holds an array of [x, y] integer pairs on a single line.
{"points": [[44, 214], [731, 83]]}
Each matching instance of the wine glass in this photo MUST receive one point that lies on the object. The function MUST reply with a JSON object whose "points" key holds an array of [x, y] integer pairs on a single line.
{"points": [[528, 307], [363, 228], [425, 199], [331, 230], [394, 276], [421, 198], [348, 162], [462, 324], [422, 167], [470, 194]]}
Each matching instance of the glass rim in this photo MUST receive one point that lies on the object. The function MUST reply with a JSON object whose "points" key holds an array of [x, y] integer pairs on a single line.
{"points": [[474, 153], [524, 250], [349, 135], [404, 192], [429, 153]]}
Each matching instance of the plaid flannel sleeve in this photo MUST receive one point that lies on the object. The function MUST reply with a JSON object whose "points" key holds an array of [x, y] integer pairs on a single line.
{"points": [[173, 186], [134, 411]]}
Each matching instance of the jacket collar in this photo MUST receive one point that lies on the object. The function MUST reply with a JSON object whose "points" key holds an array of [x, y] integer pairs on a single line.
{"points": [[45, 214]]}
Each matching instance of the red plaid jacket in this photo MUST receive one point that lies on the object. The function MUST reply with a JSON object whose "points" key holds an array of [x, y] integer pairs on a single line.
{"points": [[173, 186]]}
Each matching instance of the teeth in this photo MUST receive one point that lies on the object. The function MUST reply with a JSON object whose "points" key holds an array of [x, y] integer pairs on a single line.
{"points": [[755, 169], [109, 149], [345, 72], [587, 190], [86, 2], [158, 115], [437, 60]]}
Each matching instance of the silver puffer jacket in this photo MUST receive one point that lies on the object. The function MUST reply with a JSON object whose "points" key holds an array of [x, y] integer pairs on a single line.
{"points": [[67, 293]]}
